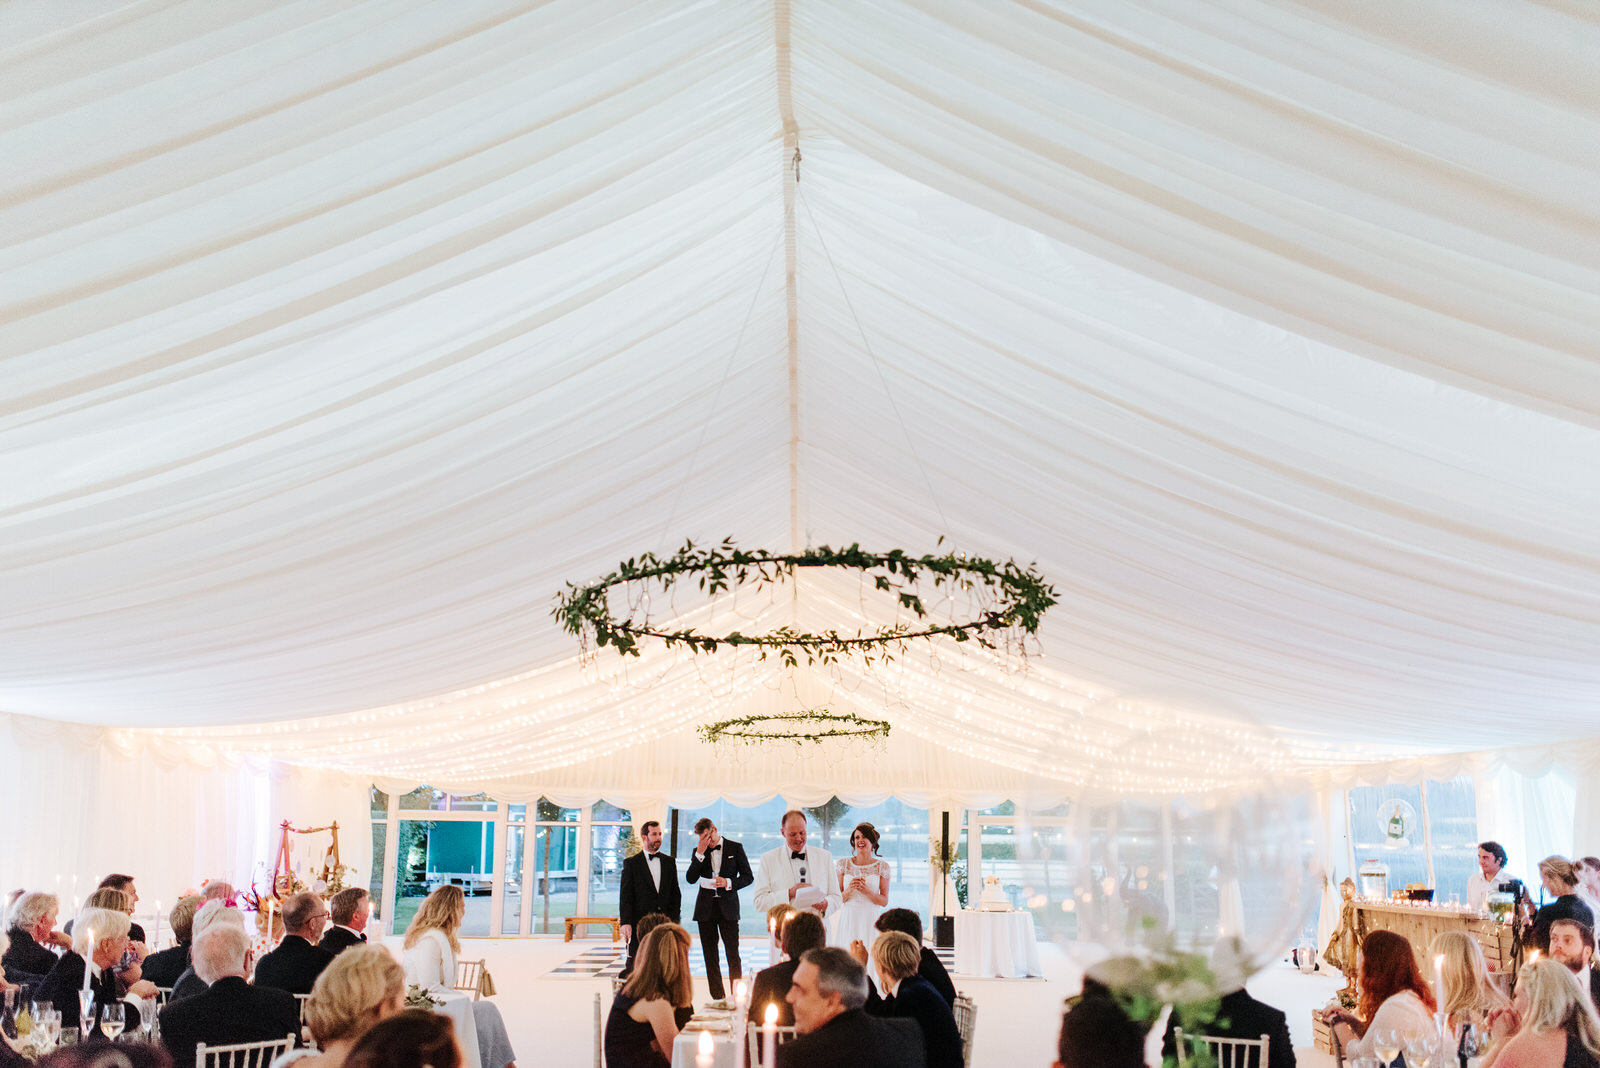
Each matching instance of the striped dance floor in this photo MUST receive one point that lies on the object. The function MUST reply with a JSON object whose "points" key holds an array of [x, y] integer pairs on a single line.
{"points": [[605, 961]]}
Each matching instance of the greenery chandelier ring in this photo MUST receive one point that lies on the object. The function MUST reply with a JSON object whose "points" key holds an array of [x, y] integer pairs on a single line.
{"points": [[1020, 597], [813, 725]]}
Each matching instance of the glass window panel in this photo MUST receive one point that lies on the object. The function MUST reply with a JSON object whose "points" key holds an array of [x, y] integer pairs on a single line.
{"points": [[554, 880], [380, 832], [423, 798], [548, 811], [1386, 825], [606, 812], [511, 896], [609, 845], [380, 803], [517, 813], [434, 853], [411, 868], [1453, 827], [473, 803], [1005, 808]]}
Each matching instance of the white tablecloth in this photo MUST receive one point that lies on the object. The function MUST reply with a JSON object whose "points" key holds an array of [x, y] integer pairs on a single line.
{"points": [[996, 944], [687, 1045], [458, 1006]]}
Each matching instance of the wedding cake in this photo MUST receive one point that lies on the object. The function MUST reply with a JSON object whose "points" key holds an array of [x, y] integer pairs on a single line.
{"points": [[993, 898]]}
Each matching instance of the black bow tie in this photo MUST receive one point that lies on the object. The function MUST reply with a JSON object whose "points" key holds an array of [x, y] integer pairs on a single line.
{"points": [[651, 856], [797, 856]]}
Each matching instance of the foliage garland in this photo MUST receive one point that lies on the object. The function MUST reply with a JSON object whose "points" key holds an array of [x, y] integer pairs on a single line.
{"points": [[1021, 593], [846, 725]]}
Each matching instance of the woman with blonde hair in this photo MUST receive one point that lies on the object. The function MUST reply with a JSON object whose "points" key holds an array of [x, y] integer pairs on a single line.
{"points": [[431, 947], [362, 986], [1467, 992], [1552, 1023], [1560, 882], [654, 1004]]}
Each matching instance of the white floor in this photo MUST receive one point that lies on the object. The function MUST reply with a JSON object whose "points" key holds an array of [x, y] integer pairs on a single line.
{"points": [[551, 1021]]}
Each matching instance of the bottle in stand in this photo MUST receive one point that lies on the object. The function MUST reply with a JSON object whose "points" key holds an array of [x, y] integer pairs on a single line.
{"points": [[1470, 1050]]}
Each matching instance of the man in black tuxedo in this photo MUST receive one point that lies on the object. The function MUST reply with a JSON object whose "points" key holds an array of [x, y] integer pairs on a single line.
{"points": [[349, 912], [230, 1010], [167, 967], [1572, 944], [828, 993], [906, 996], [102, 939], [803, 932], [1242, 1015], [296, 963], [649, 884], [721, 870]]}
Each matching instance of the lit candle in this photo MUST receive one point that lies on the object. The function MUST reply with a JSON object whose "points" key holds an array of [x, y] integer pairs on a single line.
{"points": [[155, 945], [88, 960], [772, 942], [741, 1006], [702, 1057], [769, 1038], [1438, 979]]}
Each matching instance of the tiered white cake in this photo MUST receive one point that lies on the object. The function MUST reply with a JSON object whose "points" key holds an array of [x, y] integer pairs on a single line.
{"points": [[993, 899]]}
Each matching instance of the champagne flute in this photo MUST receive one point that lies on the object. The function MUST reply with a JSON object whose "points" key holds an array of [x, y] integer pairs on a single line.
{"points": [[112, 1020], [85, 1014], [147, 1016]]}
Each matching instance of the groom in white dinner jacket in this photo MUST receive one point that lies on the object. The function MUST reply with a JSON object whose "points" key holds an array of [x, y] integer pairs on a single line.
{"points": [[793, 865]]}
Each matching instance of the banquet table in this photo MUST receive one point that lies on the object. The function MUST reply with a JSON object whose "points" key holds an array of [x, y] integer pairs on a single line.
{"points": [[996, 944], [458, 1006], [686, 1045]]}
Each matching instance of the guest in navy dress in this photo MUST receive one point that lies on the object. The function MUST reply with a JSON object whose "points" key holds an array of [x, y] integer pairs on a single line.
{"points": [[654, 1004]]}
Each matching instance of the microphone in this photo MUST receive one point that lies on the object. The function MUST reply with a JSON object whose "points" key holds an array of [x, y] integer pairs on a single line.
{"points": [[802, 873]]}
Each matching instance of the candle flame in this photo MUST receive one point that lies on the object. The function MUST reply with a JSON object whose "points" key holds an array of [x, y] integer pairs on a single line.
{"points": [[705, 1043], [772, 1015]]}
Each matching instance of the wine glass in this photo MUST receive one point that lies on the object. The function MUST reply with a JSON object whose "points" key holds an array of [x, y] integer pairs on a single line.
{"points": [[1386, 1044], [48, 1021], [147, 1016], [112, 1020]]}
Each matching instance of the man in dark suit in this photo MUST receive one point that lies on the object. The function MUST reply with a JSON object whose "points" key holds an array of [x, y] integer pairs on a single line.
{"points": [[803, 933], [932, 968], [108, 929], [905, 996], [721, 870], [166, 967], [33, 928], [296, 963], [1572, 944], [349, 912], [1240, 1015], [649, 884], [828, 993], [230, 1010]]}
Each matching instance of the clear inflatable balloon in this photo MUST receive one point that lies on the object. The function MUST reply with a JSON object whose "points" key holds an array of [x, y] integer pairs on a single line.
{"points": [[1188, 830]]}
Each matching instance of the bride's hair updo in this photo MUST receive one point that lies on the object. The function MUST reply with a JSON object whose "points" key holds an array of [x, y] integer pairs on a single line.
{"points": [[867, 831]]}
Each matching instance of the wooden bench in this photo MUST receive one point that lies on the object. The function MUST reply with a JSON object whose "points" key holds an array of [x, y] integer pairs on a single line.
{"points": [[612, 922]]}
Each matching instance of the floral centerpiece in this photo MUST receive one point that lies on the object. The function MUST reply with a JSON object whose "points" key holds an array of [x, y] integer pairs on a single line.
{"points": [[420, 997]]}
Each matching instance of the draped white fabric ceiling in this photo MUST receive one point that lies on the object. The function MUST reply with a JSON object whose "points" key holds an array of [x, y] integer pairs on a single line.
{"points": [[337, 336]]}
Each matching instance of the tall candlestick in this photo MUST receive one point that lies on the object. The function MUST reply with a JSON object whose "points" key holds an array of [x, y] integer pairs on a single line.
{"points": [[88, 960], [741, 1019], [772, 942], [703, 1051], [157, 943], [1438, 979], [769, 1038]]}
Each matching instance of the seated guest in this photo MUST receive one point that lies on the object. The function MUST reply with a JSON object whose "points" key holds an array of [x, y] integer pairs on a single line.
{"points": [[166, 967], [1553, 1025], [352, 994], [897, 956], [1572, 944], [777, 916], [33, 930], [298, 960], [828, 995], [431, 947], [123, 883], [349, 912], [229, 1010], [1468, 992], [932, 968], [804, 932], [1560, 882], [1240, 1014], [1490, 877], [218, 890], [409, 1039], [1393, 995], [212, 912], [109, 930], [653, 1004], [99, 1055], [129, 970], [1097, 1033], [9, 1057]]}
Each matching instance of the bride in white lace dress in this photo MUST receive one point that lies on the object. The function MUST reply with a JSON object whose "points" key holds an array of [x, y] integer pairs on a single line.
{"points": [[864, 884]]}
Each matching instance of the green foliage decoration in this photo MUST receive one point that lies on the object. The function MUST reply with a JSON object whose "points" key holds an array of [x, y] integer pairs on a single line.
{"points": [[1021, 597], [811, 725]]}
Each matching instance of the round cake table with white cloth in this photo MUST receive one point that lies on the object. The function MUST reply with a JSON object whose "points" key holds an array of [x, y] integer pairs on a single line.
{"points": [[996, 945]]}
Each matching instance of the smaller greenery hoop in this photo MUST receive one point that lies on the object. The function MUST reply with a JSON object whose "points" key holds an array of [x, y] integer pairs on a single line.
{"points": [[792, 727]]}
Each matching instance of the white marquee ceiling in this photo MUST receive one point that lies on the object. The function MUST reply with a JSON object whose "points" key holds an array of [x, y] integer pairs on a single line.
{"points": [[337, 336]]}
